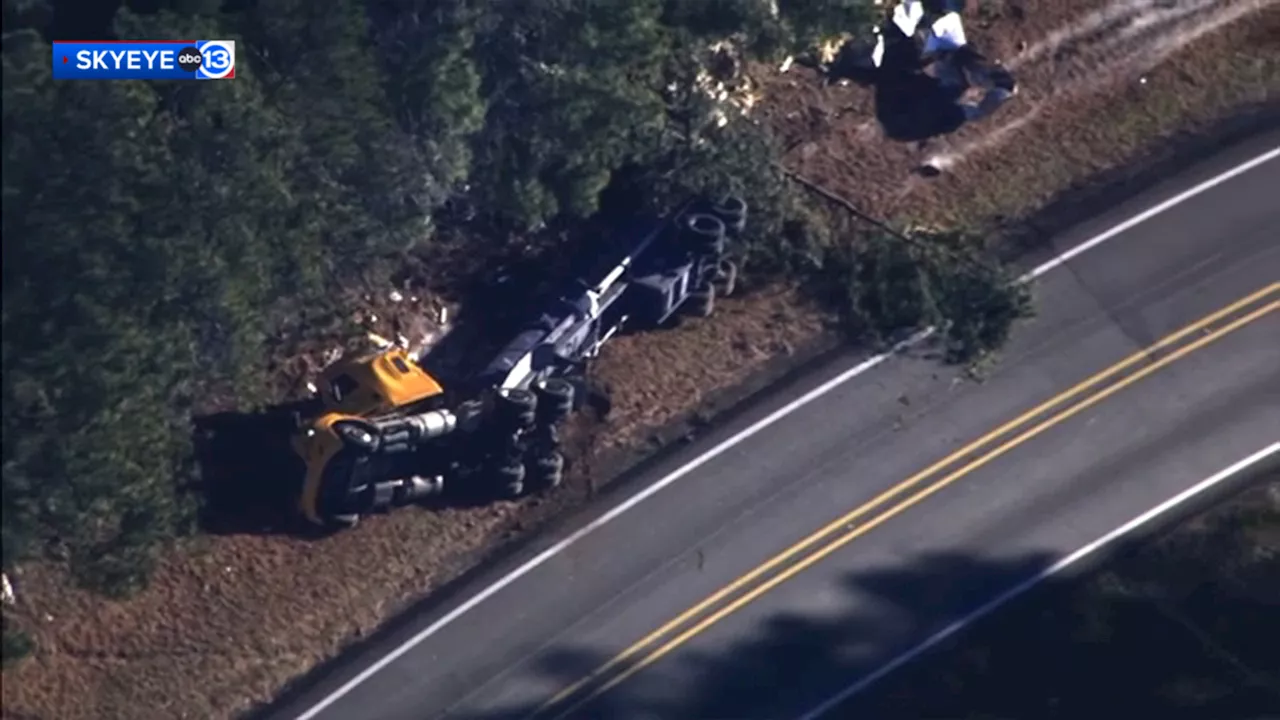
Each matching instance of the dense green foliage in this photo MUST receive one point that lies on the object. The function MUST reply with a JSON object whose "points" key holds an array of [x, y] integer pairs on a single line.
{"points": [[14, 646], [940, 279], [158, 236]]}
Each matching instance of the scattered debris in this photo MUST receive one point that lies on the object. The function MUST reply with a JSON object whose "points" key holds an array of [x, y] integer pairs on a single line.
{"points": [[922, 65], [378, 341], [723, 79], [944, 36], [907, 16]]}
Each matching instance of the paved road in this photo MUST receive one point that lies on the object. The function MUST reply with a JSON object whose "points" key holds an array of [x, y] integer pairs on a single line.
{"points": [[1169, 419]]}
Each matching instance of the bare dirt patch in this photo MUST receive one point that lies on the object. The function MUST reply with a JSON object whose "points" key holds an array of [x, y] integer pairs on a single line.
{"points": [[694, 361], [230, 619], [1090, 97]]}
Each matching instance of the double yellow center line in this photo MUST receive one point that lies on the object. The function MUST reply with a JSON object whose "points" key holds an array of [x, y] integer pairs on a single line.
{"points": [[635, 658]]}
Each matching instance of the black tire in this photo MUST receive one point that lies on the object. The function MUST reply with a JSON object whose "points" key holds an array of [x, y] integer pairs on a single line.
{"points": [[470, 414], [555, 399], [732, 211], [704, 234], [547, 470], [581, 389], [508, 480], [547, 434], [726, 277], [419, 489], [515, 408], [701, 303], [332, 525]]}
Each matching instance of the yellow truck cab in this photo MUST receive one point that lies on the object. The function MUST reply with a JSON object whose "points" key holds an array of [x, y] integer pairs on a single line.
{"points": [[354, 392], [376, 384]]}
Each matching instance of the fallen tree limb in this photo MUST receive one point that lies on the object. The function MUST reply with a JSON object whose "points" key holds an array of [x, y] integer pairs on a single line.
{"points": [[841, 201], [852, 209]]}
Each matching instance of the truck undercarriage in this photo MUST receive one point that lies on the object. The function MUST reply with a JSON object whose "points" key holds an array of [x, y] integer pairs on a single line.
{"points": [[383, 436]]}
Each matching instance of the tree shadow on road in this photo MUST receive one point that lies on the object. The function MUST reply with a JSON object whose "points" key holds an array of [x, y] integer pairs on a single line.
{"points": [[1185, 629]]}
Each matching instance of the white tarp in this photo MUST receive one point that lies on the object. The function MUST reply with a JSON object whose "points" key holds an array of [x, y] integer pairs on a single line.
{"points": [[947, 33], [980, 87], [907, 16], [877, 53]]}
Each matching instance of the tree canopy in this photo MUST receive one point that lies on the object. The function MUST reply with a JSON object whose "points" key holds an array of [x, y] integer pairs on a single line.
{"points": [[158, 235]]}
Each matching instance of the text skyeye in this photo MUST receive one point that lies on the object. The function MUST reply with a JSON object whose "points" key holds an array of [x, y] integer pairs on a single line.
{"points": [[124, 59]]}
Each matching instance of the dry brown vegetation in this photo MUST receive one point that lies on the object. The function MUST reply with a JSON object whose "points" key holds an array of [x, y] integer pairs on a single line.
{"points": [[229, 620]]}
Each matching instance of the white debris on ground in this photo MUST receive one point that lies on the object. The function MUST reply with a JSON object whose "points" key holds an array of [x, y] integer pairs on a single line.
{"points": [[1121, 41], [6, 590], [724, 81], [946, 34], [414, 327], [979, 85], [406, 317], [907, 16]]}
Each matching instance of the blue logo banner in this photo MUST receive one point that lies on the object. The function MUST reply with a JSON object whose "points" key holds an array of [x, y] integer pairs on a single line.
{"points": [[145, 60]]}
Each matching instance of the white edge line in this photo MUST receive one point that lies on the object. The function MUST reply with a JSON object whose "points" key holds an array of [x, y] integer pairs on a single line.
{"points": [[749, 431], [1149, 213], [1054, 569]]}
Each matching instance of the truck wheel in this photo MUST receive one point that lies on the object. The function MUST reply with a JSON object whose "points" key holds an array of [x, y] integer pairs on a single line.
{"points": [[418, 488], [581, 388], [548, 470], [555, 399], [546, 434], [516, 408], [332, 525], [732, 211], [704, 234], [726, 277], [509, 480], [701, 303], [470, 415]]}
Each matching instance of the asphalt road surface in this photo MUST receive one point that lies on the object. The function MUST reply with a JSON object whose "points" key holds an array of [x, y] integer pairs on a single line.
{"points": [[1183, 392]]}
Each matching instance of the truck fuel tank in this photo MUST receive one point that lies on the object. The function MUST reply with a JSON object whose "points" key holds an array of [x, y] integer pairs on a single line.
{"points": [[403, 433]]}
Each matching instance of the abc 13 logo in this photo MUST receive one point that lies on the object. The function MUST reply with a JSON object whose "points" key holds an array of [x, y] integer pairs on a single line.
{"points": [[209, 59]]}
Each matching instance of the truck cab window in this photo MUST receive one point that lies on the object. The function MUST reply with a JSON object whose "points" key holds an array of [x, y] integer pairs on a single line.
{"points": [[342, 386]]}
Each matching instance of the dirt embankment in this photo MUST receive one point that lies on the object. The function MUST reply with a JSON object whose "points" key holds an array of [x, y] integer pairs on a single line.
{"points": [[1100, 82], [230, 619]]}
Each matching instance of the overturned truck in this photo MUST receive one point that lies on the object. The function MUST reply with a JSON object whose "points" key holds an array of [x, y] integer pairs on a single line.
{"points": [[384, 432]]}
